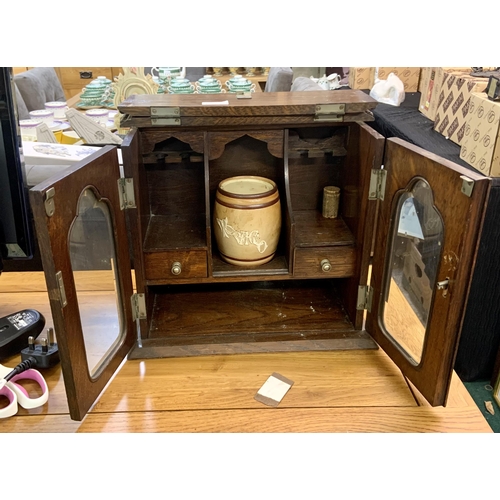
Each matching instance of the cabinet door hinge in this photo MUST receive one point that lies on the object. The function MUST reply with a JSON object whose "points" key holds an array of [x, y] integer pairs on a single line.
{"points": [[50, 206], [126, 193], [329, 113], [62, 290], [467, 185], [165, 116], [138, 301], [377, 184], [365, 296]]}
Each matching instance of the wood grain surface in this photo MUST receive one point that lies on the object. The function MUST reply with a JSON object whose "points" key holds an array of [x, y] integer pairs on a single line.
{"points": [[341, 391]]}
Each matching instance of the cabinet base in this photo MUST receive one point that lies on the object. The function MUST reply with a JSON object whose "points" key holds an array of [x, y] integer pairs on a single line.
{"points": [[157, 348]]}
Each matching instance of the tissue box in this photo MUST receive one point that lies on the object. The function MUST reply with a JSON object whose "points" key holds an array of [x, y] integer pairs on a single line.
{"points": [[46, 153], [361, 78], [409, 76], [431, 80], [453, 104], [481, 141]]}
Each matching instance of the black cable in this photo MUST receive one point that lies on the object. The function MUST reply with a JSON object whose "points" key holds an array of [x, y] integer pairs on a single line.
{"points": [[21, 367]]}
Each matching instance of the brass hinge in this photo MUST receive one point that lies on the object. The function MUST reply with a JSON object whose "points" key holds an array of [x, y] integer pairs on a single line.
{"points": [[329, 113], [126, 193], [467, 185], [365, 296], [165, 116], [62, 290], [378, 179], [138, 301], [50, 206]]}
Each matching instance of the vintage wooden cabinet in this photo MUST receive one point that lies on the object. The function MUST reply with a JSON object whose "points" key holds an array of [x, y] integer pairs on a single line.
{"points": [[412, 215]]}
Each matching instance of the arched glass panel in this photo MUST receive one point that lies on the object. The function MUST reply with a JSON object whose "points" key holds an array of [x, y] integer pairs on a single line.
{"points": [[416, 245], [93, 258]]}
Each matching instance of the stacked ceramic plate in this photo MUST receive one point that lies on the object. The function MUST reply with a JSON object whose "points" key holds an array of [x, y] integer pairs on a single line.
{"points": [[239, 84], [97, 93], [209, 85], [181, 85]]}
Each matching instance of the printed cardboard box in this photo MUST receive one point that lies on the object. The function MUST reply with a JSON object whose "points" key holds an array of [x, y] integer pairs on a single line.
{"points": [[409, 76], [361, 78], [453, 104], [364, 78], [481, 141], [431, 80]]}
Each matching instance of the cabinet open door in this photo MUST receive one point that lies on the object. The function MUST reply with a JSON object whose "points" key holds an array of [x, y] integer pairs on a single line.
{"points": [[84, 247], [427, 236]]}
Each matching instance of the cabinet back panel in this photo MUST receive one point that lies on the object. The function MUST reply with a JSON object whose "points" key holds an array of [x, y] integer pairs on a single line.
{"points": [[308, 177], [176, 188], [245, 156]]}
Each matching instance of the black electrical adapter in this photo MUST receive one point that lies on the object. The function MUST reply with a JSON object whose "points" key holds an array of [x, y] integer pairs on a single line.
{"points": [[46, 354]]}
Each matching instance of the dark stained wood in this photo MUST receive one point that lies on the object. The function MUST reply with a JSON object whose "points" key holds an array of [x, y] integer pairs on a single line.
{"points": [[247, 122], [158, 265], [366, 148], [261, 104], [300, 147], [403, 163], [100, 172], [175, 232], [342, 341], [138, 218], [152, 139], [273, 139], [177, 188], [285, 309], [278, 265], [314, 230], [307, 262]]}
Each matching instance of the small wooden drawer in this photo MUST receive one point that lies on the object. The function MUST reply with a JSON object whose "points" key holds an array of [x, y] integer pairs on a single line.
{"points": [[175, 265], [324, 262]]}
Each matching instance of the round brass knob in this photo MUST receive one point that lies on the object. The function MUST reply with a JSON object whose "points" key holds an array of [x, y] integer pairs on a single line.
{"points": [[326, 267], [176, 268]]}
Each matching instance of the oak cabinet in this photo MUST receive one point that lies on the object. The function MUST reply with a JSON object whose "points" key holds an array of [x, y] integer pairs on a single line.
{"points": [[411, 215]]}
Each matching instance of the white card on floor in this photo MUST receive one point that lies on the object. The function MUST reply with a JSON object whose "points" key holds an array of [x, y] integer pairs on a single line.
{"points": [[273, 390]]}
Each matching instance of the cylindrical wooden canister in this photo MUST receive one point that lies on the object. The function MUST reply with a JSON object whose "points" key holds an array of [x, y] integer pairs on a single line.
{"points": [[331, 196], [247, 220]]}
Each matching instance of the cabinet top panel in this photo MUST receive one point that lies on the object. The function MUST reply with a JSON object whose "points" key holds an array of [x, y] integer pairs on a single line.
{"points": [[261, 103]]}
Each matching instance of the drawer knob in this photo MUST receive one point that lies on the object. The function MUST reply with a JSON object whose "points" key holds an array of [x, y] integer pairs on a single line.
{"points": [[176, 268], [85, 75], [326, 266]]}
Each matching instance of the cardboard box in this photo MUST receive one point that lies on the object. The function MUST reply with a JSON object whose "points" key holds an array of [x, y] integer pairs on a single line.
{"points": [[364, 78], [453, 104], [409, 76], [361, 78], [431, 80], [44, 153], [424, 77], [481, 141]]}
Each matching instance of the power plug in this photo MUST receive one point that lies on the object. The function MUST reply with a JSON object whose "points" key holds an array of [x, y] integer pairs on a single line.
{"points": [[46, 354]]}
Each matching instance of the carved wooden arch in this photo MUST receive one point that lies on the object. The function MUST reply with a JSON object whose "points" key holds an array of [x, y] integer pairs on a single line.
{"points": [[151, 138], [219, 140]]}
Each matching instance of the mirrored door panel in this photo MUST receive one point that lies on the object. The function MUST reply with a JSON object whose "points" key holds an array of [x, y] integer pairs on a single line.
{"points": [[93, 258], [86, 260], [416, 243], [427, 236]]}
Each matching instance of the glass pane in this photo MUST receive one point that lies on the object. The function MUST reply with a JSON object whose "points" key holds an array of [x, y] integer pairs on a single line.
{"points": [[416, 245], [92, 253]]}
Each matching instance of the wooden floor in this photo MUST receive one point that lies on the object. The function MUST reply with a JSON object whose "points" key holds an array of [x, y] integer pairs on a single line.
{"points": [[342, 391]]}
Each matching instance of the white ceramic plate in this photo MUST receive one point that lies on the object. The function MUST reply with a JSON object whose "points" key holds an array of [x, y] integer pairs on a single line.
{"points": [[56, 125]]}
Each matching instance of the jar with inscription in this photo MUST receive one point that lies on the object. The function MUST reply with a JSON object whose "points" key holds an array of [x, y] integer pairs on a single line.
{"points": [[247, 220]]}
